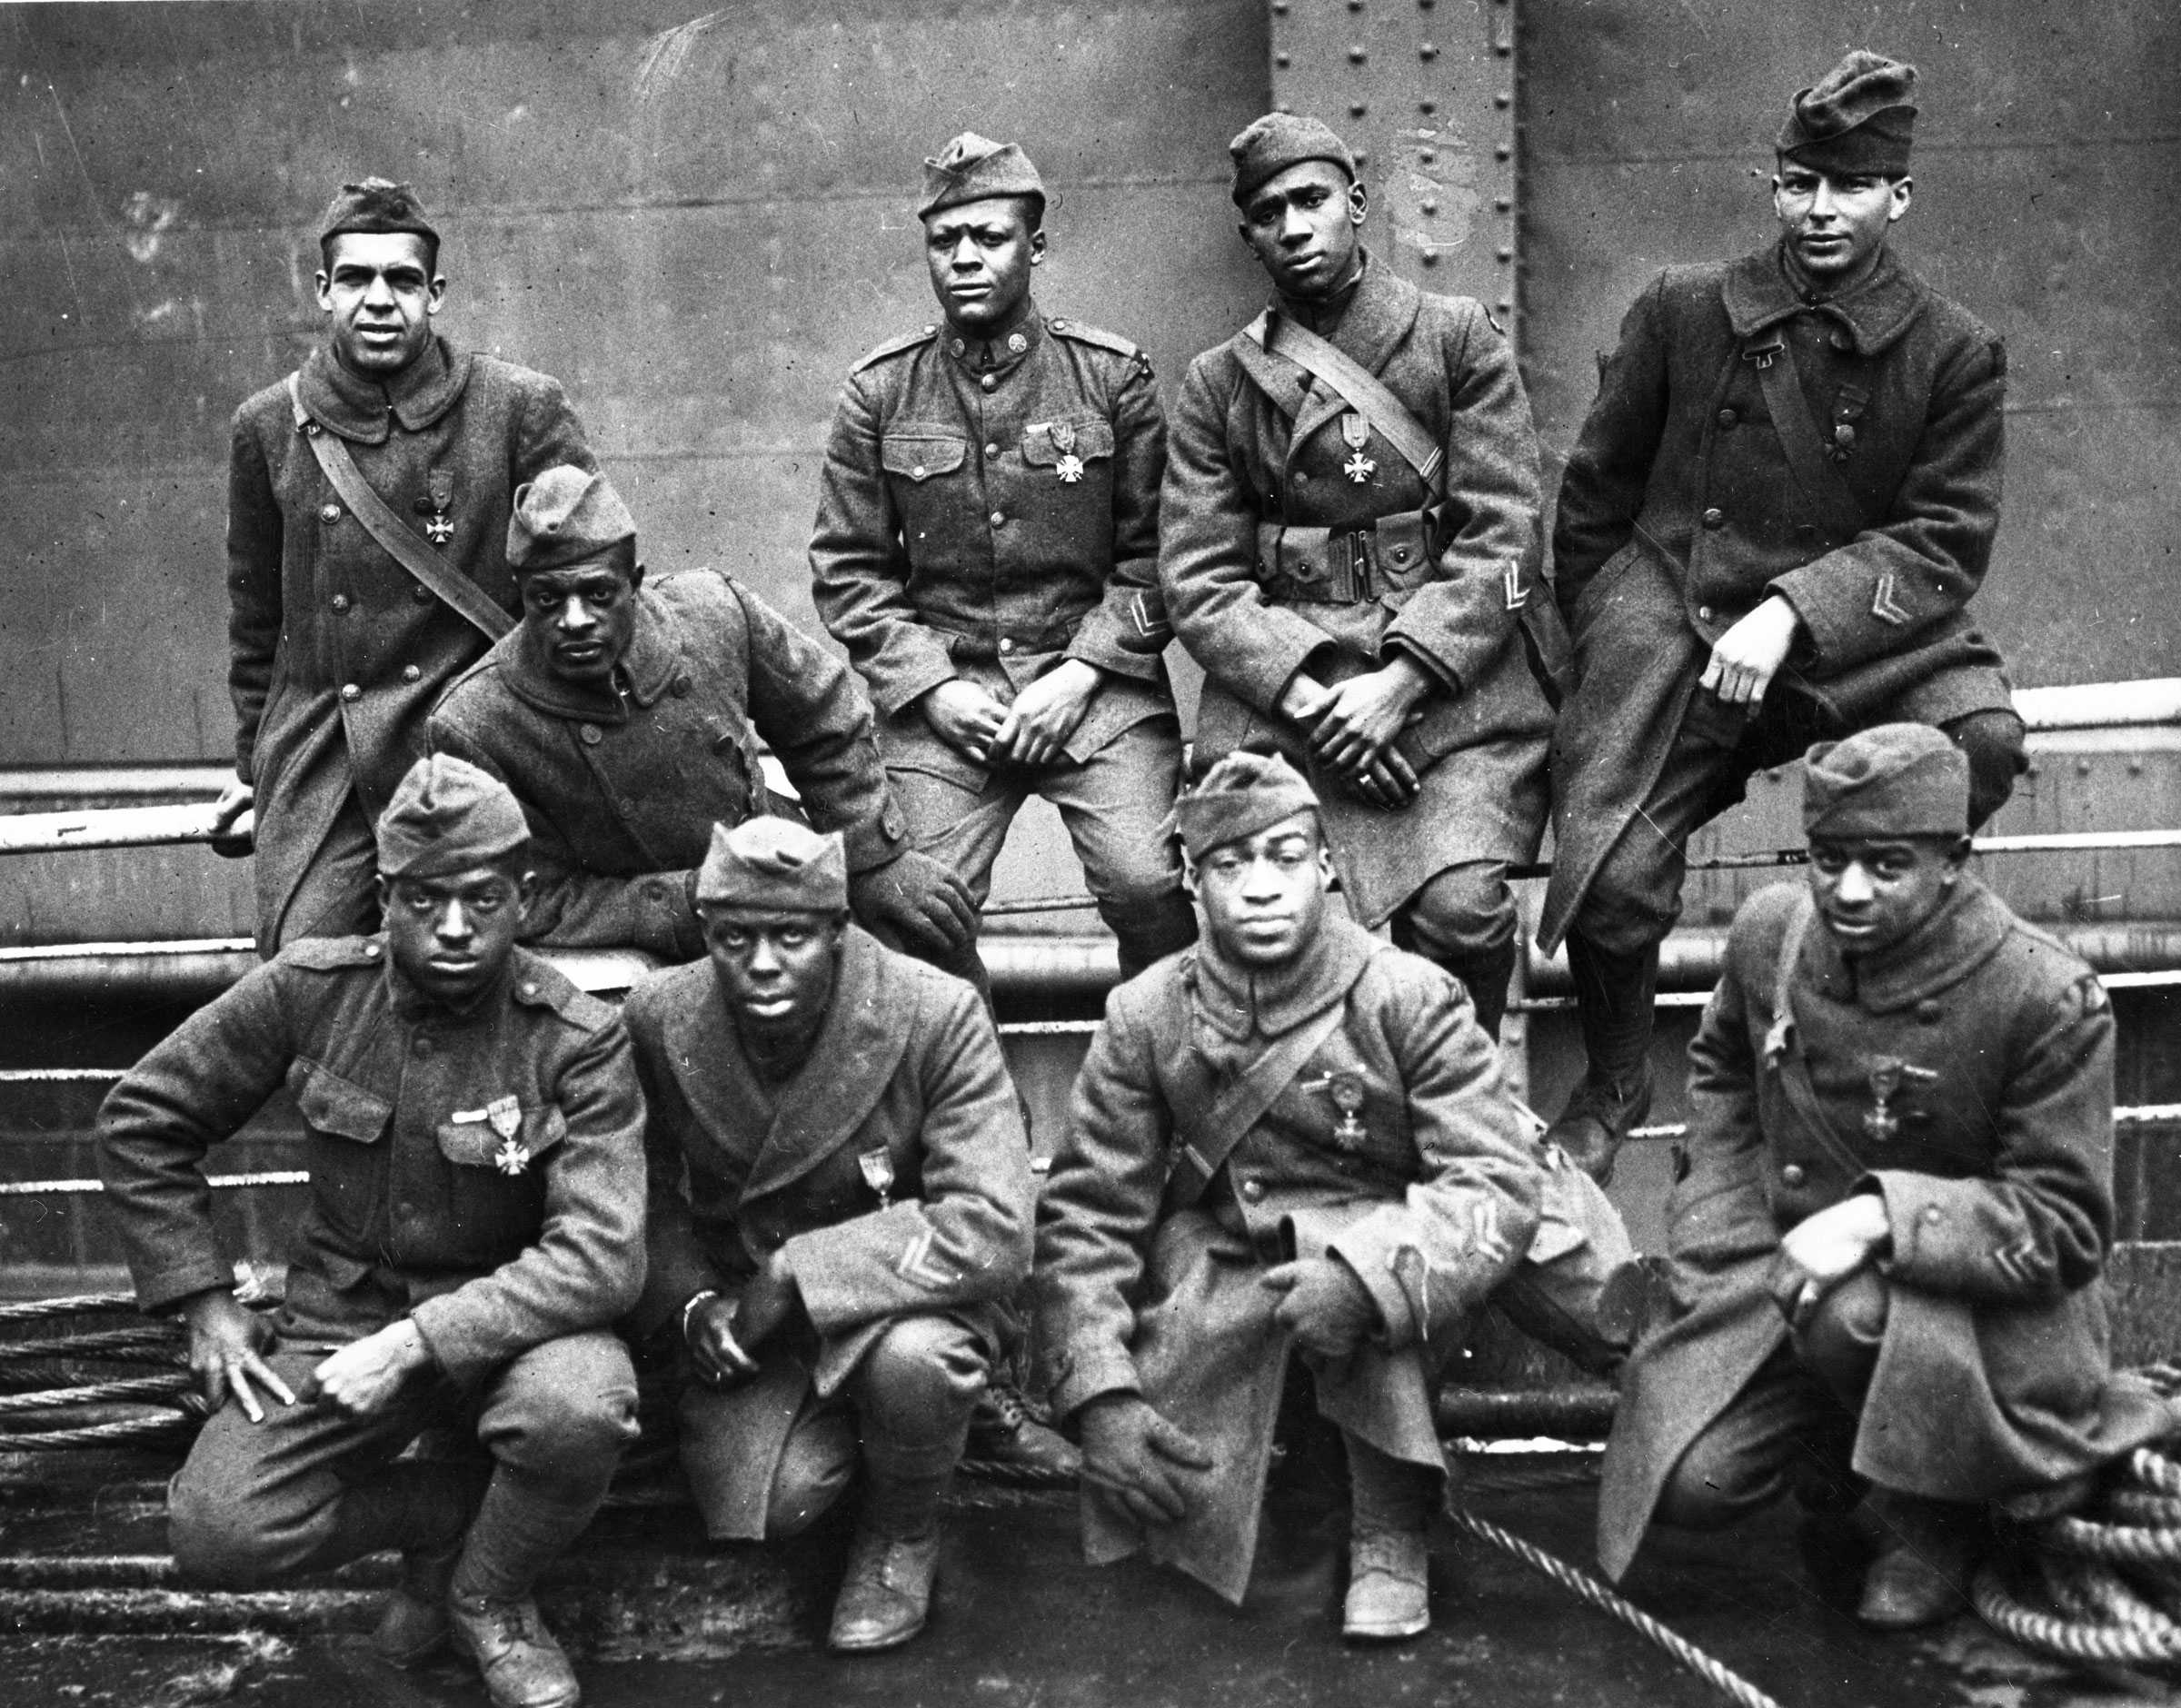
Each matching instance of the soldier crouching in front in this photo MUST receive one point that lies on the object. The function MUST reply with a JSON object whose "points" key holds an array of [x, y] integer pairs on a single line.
{"points": [[841, 1199], [1295, 1138], [476, 1222], [1889, 1224]]}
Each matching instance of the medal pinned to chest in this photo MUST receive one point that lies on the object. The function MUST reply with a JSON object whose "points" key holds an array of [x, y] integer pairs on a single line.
{"points": [[1355, 432], [878, 1174], [1344, 1092], [439, 527], [504, 1117], [1888, 1079], [1067, 465]]}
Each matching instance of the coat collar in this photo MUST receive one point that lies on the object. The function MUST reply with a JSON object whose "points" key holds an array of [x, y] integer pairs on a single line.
{"points": [[647, 667], [784, 1131], [1008, 346], [1759, 293], [1239, 1000], [1966, 932], [1380, 309], [363, 410]]}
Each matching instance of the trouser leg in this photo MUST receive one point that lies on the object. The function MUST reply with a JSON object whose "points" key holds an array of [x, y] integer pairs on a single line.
{"points": [[1464, 919], [1996, 744], [914, 1393], [310, 1488], [1783, 1431], [963, 827], [556, 1421], [1115, 805]]}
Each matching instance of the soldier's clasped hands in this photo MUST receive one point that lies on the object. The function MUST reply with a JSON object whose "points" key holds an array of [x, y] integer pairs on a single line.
{"points": [[1138, 1460]]}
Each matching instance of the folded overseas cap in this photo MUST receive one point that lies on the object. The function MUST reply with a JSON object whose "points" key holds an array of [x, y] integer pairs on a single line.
{"points": [[1897, 780], [376, 204], [566, 515], [973, 167], [1859, 117], [1277, 141], [447, 816], [1242, 795], [775, 863]]}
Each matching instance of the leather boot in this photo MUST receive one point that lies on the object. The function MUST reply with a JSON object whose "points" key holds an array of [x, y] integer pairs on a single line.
{"points": [[1921, 1573], [1486, 977], [885, 1596], [1004, 1431], [1388, 1586], [1614, 995], [521, 1665], [414, 1627]]}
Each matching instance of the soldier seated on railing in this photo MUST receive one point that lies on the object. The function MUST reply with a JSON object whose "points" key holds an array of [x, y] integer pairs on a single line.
{"points": [[475, 1224], [1893, 1207], [1293, 1138]]}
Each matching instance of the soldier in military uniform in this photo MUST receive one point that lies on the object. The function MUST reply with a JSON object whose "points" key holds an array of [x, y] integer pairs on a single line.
{"points": [[475, 1223], [1889, 1220], [337, 646], [1768, 532], [841, 1198], [1293, 1138], [1350, 551], [987, 532], [625, 713]]}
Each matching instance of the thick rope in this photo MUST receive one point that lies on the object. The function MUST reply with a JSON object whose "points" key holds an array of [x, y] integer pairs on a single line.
{"points": [[140, 1387]]}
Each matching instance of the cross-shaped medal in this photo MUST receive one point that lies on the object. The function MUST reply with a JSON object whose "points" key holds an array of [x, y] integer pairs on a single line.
{"points": [[1359, 467], [1069, 467], [438, 529], [513, 1157]]}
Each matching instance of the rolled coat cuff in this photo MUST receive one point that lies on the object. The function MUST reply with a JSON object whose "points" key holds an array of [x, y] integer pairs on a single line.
{"points": [[164, 1288], [1372, 1249], [1945, 1239], [876, 841], [1081, 1377], [926, 664]]}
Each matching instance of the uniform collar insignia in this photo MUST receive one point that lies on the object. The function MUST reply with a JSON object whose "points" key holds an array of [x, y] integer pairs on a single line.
{"points": [[1008, 344], [358, 409], [1758, 293], [1966, 932]]}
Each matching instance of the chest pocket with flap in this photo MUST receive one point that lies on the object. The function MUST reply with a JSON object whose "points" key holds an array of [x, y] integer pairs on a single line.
{"points": [[918, 456], [1092, 442], [469, 1139], [336, 1106]]}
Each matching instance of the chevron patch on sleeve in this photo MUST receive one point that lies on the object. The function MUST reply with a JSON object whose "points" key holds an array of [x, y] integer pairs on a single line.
{"points": [[1885, 607], [918, 1264]]}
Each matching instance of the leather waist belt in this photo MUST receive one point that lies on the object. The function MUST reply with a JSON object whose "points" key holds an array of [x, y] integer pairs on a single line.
{"points": [[1323, 566]]}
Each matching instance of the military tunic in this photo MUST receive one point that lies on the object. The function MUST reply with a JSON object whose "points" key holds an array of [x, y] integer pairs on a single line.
{"points": [[1247, 462], [1432, 1205], [906, 1073], [419, 1205], [1680, 514], [336, 651], [1992, 1151], [622, 790]]}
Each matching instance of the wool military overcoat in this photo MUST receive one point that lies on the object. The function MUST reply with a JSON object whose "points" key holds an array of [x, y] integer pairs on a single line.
{"points": [[1992, 1148], [1242, 457], [480, 1172], [905, 1090], [622, 791], [1431, 1195], [987, 509], [336, 651], [1680, 514]]}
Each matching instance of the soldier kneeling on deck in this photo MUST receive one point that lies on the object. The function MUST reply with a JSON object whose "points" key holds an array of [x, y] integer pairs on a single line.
{"points": [[840, 1200], [1293, 1138], [1893, 1208], [475, 1223]]}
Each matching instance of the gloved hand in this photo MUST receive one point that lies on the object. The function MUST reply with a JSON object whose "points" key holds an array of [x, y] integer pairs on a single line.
{"points": [[1327, 1307], [1137, 1461], [917, 901]]}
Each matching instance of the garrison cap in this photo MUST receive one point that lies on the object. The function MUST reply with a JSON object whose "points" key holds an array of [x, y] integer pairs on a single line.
{"points": [[376, 204], [971, 167], [1240, 796], [767, 862], [1859, 117], [565, 515], [1269, 146], [447, 816], [1897, 780]]}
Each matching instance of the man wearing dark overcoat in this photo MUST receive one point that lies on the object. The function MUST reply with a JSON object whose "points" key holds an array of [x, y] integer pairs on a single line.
{"points": [[475, 1224], [1768, 532], [840, 1200], [985, 549], [1293, 1138], [336, 649], [626, 714], [1891, 1215], [1352, 555]]}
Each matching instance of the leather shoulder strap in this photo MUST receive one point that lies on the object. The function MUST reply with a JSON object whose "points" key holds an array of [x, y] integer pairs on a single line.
{"points": [[1815, 472], [1244, 1103], [1783, 1043], [1363, 392], [402, 542]]}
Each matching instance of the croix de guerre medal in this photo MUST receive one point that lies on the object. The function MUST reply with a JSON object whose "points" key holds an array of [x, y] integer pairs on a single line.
{"points": [[438, 527], [1355, 430], [1346, 1093], [1069, 467], [1881, 1125], [505, 1117], [878, 1175]]}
